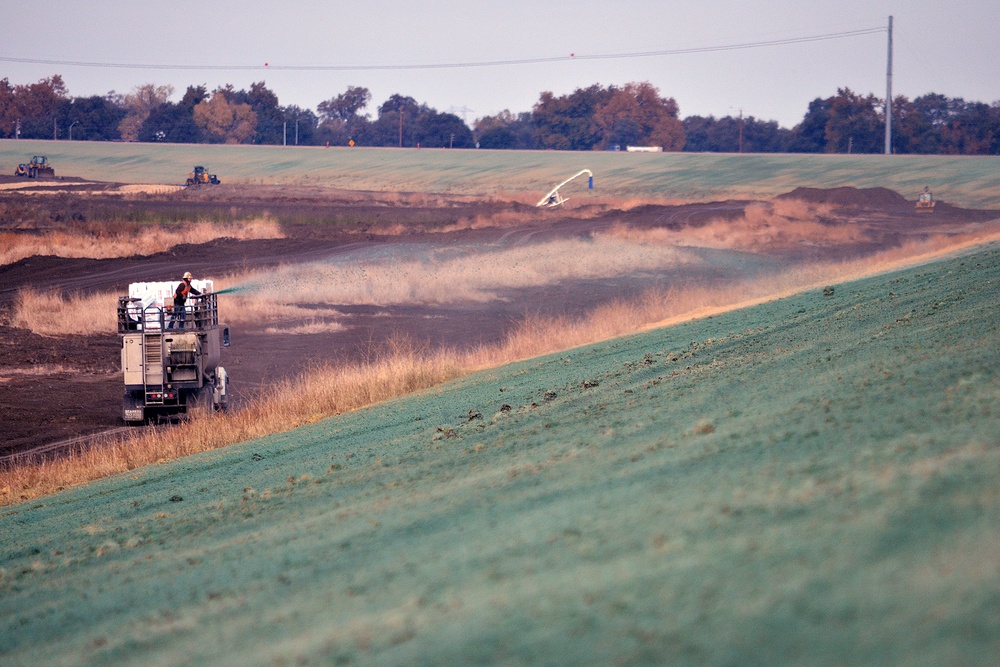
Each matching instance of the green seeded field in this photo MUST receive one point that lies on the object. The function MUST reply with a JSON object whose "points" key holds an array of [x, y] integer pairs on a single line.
{"points": [[809, 481], [971, 182]]}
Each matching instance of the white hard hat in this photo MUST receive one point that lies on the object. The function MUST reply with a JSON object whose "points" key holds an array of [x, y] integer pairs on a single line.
{"points": [[187, 275]]}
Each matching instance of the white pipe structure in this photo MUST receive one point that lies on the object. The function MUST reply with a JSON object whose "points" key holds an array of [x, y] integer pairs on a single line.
{"points": [[554, 199]]}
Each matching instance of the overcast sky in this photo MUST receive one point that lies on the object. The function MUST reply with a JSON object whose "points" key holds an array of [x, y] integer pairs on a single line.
{"points": [[949, 47]]}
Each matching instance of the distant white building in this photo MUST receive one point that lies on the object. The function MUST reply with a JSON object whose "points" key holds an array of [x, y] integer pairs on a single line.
{"points": [[644, 149]]}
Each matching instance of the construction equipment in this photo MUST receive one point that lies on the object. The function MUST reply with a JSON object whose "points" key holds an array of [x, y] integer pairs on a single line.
{"points": [[554, 199], [168, 371], [925, 202], [37, 168], [201, 177]]}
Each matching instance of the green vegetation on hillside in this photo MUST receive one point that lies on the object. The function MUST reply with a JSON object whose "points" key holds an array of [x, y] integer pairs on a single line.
{"points": [[812, 480], [972, 182]]}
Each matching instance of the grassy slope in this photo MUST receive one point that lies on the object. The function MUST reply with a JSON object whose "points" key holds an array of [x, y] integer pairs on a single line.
{"points": [[811, 480], [966, 181]]}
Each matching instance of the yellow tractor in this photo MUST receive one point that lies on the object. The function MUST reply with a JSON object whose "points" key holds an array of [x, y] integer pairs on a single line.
{"points": [[37, 168], [925, 202], [201, 177]]}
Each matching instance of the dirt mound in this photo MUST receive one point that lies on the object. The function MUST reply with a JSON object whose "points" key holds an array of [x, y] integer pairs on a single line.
{"points": [[848, 196]]}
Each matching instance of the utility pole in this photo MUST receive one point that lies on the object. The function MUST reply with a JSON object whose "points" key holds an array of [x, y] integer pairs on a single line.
{"points": [[888, 96], [400, 127], [741, 130]]}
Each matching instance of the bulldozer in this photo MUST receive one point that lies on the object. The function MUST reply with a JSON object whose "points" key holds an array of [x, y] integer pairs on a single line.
{"points": [[168, 371], [37, 168], [925, 202], [201, 177]]}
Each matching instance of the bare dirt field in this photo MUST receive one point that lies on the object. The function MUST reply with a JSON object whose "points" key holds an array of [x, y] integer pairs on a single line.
{"points": [[58, 387]]}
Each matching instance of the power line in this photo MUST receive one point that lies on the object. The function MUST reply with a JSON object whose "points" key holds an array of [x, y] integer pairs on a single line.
{"points": [[453, 65]]}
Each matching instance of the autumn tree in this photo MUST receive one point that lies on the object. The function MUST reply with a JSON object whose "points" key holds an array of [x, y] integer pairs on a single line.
{"points": [[636, 115], [8, 109], [223, 121], [31, 110], [270, 124], [138, 105]]}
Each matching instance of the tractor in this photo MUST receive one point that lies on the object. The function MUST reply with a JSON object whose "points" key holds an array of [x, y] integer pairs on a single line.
{"points": [[201, 177], [37, 168]]}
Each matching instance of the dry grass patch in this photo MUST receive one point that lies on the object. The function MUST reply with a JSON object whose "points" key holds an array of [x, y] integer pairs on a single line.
{"points": [[325, 391], [403, 368], [777, 225], [99, 241], [55, 314]]}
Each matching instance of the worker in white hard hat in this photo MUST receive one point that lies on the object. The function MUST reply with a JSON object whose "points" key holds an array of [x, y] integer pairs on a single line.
{"points": [[180, 300]]}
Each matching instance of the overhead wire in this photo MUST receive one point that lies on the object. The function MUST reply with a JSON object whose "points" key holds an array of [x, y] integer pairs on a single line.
{"points": [[453, 65]]}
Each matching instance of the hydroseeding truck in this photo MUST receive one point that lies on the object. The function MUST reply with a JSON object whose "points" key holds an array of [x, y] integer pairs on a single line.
{"points": [[170, 361]]}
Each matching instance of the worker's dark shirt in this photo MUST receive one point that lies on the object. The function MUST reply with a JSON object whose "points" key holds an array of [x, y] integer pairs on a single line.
{"points": [[181, 293]]}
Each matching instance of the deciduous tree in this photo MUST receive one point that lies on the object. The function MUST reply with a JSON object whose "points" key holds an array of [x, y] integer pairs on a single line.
{"points": [[506, 131], [8, 109], [636, 115], [94, 118], [224, 121], [854, 125], [340, 119], [345, 106], [442, 130], [34, 108], [567, 122], [139, 104]]}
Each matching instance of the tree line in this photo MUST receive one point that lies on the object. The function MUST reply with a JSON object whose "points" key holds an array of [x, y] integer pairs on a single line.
{"points": [[591, 118]]}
